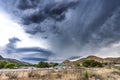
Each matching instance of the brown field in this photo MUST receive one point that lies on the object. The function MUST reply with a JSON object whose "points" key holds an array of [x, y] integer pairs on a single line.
{"points": [[62, 74]]}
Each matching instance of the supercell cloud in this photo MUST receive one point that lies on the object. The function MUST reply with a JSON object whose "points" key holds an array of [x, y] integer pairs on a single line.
{"points": [[71, 27]]}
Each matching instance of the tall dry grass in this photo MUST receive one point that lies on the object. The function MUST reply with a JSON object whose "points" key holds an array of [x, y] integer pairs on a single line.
{"points": [[63, 74]]}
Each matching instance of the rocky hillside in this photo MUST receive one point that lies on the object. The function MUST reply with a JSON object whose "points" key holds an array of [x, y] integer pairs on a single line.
{"points": [[99, 59], [113, 60]]}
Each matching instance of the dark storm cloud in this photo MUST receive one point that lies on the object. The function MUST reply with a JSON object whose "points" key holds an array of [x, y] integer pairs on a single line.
{"points": [[34, 50], [108, 10], [109, 31], [34, 12], [14, 40], [37, 11], [71, 27], [74, 57], [35, 59], [11, 45]]}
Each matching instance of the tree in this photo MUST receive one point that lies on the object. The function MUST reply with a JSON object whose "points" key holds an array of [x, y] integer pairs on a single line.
{"points": [[2, 64], [10, 65], [53, 64], [43, 65]]}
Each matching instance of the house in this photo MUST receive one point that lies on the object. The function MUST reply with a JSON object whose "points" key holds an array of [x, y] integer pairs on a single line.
{"points": [[117, 65]]}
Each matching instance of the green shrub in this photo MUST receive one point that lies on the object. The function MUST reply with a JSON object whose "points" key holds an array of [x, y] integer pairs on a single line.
{"points": [[2, 64], [77, 65], [86, 76], [10, 65], [91, 63]]}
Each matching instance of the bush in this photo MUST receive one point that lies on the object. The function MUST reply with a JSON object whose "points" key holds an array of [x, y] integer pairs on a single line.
{"points": [[86, 76], [12, 76], [91, 63], [33, 74], [77, 65]]}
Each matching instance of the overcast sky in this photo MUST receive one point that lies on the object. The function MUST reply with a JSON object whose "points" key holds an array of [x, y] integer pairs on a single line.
{"points": [[55, 30]]}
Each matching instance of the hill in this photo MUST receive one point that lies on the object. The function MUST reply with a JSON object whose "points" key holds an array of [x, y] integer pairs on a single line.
{"points": [[99, 59], [13, 61], [96, 58]]}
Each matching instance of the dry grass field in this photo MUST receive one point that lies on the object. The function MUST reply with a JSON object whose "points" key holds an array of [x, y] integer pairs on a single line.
{"points": [[63, 74]]}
